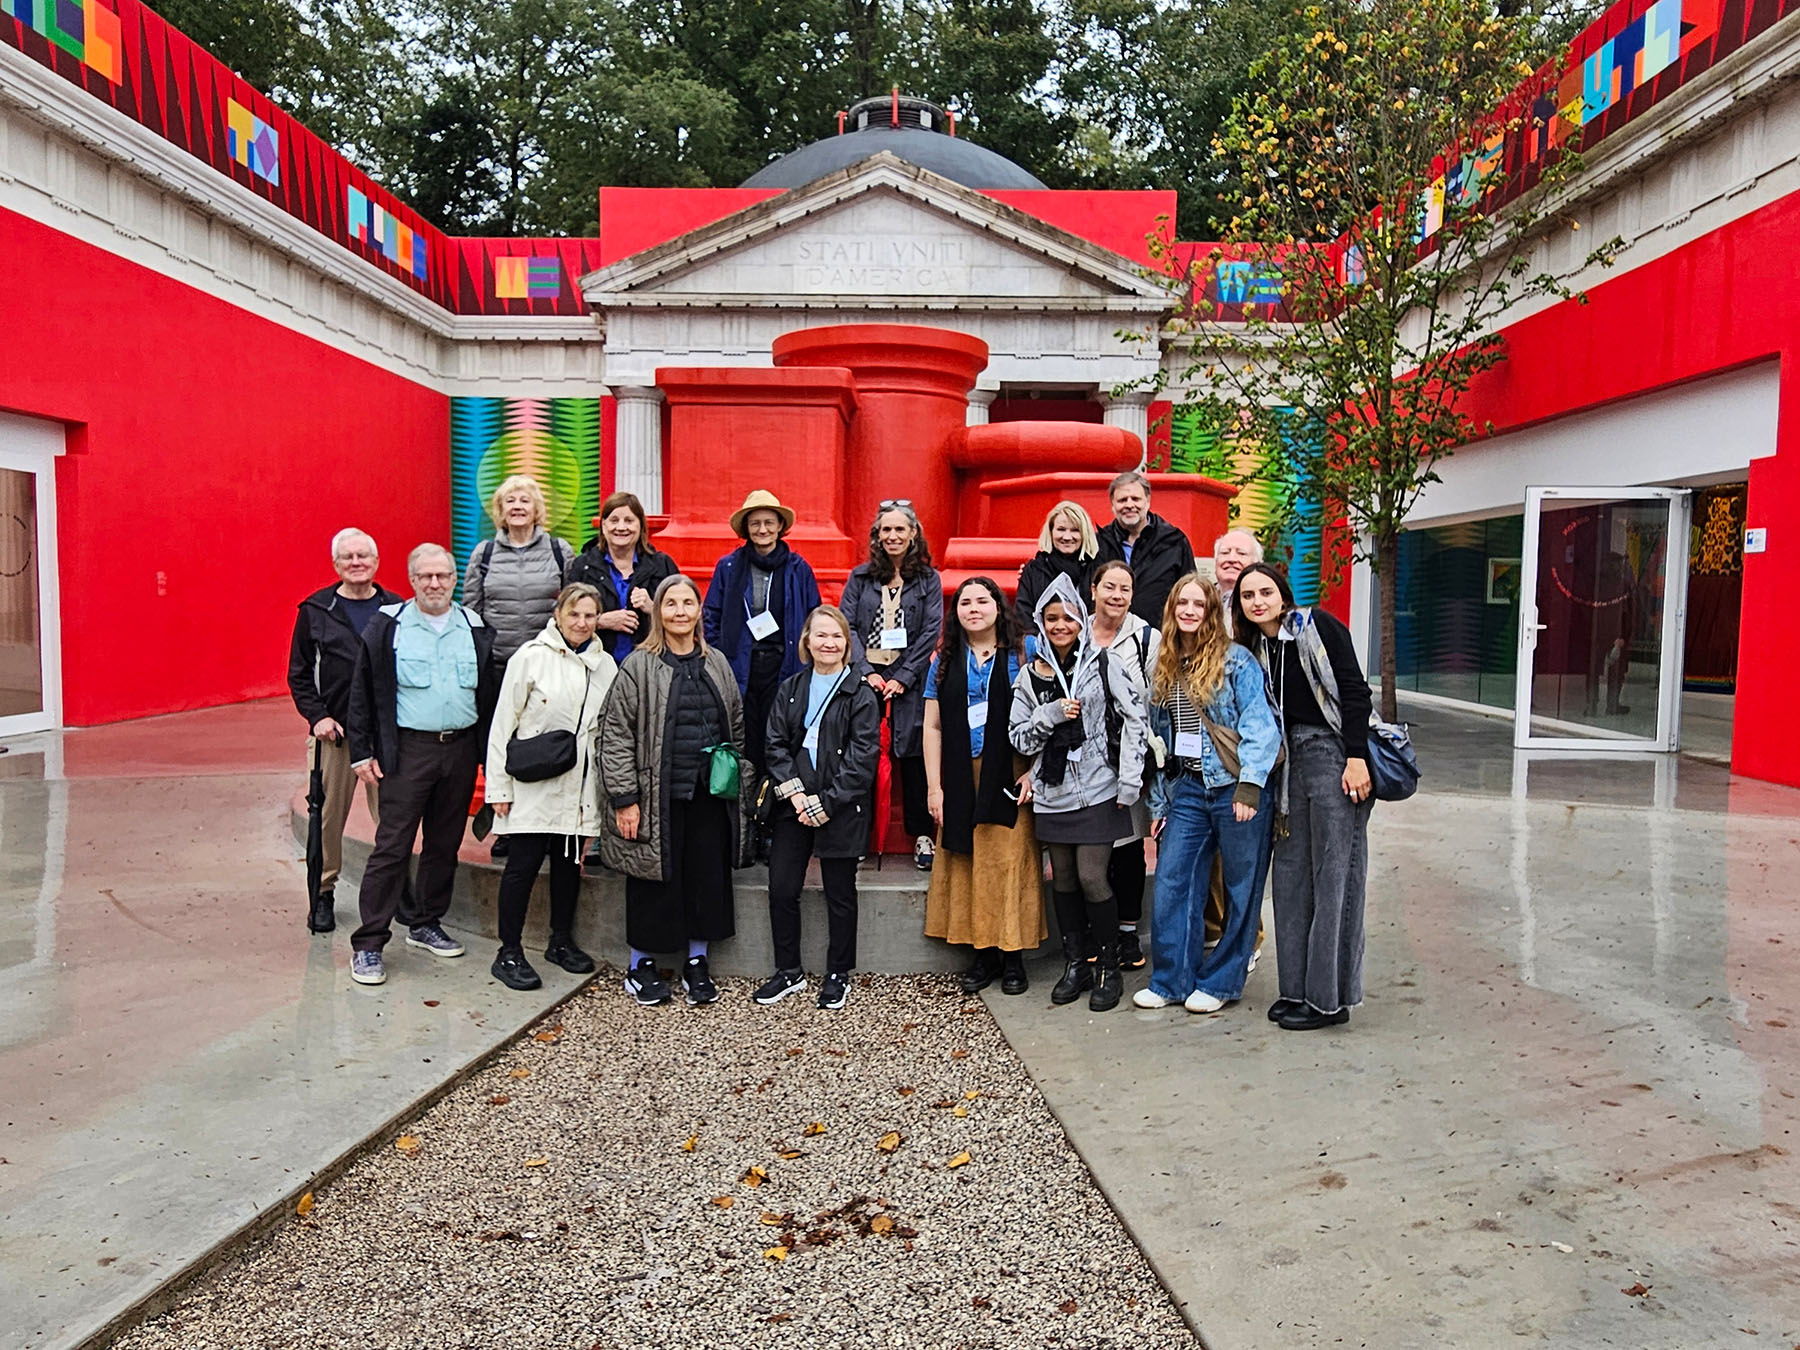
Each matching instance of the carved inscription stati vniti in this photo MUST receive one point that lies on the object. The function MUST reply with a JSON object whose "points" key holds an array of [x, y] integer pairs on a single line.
{"points": [[883, 264]]}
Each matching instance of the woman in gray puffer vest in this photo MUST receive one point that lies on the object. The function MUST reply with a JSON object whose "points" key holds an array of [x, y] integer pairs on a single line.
{"points": [[513, 579], [1080, 714]]}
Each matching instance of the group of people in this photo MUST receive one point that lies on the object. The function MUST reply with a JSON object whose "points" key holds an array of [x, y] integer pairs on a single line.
{"points": [[1127, 695]]}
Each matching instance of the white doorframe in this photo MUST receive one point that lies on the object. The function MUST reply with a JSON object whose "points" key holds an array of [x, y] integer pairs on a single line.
{"points": [[30, 445], [1667, 736]]}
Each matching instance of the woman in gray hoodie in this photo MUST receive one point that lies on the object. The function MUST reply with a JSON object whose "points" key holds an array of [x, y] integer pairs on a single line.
{"points": [[1080, 715]]}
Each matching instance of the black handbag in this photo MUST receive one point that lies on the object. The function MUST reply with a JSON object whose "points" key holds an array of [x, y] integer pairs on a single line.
{"points": [[550, 754], [1393, 767]]}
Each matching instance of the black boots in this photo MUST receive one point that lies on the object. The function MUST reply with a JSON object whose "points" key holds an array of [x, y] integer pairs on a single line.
{"points": [[563, 952], [1012, 973], [1077, 974], [513, 970], [983, 971], [323, 917], [1109, 985]]}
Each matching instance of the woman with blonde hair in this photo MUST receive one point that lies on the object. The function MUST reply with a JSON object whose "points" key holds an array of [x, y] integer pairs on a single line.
{"points": [[824, 741], [542, 778], [1219, 740], [513, 579], [672, 772], [1066, 548]]}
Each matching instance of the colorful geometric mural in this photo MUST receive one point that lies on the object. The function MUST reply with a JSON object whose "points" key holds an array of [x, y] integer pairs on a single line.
{"points": [[86, 29], [373, 226], [527, 278], [1195, 446], [554, 440], [254, 143]]}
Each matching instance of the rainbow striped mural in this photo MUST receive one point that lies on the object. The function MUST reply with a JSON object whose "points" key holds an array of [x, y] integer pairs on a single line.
{"points": [[554, 440], [1195, 446]]}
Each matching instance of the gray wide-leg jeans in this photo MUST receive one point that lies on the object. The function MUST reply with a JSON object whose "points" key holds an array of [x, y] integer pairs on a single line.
{"points": [[1320, 874]]}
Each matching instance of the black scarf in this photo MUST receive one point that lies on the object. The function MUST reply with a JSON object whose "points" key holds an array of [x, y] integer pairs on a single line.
{"points": [[965, 806], [1053, 766], [774, 558]]}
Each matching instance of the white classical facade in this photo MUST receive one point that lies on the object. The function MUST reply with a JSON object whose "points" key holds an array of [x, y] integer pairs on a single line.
{"points": [[882, 241]]}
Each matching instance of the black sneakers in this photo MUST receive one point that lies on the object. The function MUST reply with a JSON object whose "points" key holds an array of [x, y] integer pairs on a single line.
{"points": [[563, 952], [644, 983], [699, 985], [1131, 952], [835, 992], [514, 971], [779, 985]]}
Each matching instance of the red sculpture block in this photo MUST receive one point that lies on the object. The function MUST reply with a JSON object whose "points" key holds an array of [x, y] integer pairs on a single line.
{"points": [[732, 431], [912, 386]]}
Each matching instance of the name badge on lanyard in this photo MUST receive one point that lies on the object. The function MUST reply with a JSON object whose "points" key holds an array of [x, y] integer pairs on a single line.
{"points": [[1189, 744], [761, 625], [978, 714], [892, 639]]}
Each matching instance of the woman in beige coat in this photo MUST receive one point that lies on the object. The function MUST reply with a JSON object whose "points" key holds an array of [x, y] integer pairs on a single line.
{"points": [[555, 686]]}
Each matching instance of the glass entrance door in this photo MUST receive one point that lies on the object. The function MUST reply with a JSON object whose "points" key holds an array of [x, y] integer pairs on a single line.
{"points": [[29, 671], [1601, 597]]}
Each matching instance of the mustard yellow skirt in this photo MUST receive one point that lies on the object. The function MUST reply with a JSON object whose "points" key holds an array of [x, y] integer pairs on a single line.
{"points": [[993, 897]]}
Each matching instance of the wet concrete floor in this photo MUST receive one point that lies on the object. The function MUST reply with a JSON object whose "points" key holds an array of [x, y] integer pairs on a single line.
{"points": [[1580, 1033]]}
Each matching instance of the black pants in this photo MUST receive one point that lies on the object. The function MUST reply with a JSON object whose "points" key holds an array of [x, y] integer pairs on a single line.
{"points": [[693, 901], [914, 802], [788, 854], [427, 794], [1126, 872], [523, 860], [759, 697]]}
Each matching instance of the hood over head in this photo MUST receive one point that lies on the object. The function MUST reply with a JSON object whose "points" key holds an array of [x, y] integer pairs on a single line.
{"points": [[1060, 589]]}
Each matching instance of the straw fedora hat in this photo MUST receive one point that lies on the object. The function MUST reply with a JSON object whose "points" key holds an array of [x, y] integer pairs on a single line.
{"points": [[761, 501]]}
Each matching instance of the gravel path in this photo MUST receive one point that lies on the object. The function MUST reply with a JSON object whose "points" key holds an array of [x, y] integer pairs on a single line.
{"points": [[729, 1176]]}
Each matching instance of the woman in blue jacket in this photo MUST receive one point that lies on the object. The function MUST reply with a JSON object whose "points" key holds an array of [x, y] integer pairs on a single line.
{"points": [[1210, 717], [759, 597]]}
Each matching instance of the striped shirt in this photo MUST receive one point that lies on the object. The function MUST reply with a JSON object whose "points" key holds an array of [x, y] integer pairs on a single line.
{"points": [[1187, 722]]}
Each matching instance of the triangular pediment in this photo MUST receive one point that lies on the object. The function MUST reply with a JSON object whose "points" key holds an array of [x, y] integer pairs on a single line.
{"points": [[880, 231]]}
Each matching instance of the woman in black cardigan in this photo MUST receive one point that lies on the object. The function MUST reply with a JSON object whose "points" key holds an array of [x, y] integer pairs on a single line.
{"points": [[824, 738]]}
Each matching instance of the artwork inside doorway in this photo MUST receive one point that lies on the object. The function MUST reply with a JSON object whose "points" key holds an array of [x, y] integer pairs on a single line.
{"points": [[1715, 589]]}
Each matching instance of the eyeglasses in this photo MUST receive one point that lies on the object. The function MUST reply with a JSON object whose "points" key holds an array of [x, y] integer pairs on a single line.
{"points": [[895, 504], [434, 576]]}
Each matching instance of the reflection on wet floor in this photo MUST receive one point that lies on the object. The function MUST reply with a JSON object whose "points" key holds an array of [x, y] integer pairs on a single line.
{"points": [[1591, 1006]]}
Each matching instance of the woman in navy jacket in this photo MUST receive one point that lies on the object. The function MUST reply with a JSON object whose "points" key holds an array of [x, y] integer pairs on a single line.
{"points": [[759, 597]]}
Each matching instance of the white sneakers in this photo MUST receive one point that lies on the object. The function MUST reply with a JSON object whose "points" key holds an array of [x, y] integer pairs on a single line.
{"points": [[1202, 1002], [1149, 998]]}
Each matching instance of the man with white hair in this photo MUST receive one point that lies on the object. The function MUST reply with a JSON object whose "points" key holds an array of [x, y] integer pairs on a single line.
{"points": [[321, 660], [1233, 551], [425, 689]]}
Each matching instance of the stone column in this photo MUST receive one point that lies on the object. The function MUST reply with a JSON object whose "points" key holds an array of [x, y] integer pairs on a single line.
{"points": [[637, 459], [1130, 410], [980, 400]]}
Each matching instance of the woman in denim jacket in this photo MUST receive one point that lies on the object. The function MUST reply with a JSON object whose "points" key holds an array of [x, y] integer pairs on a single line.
{"points": [[1211, 719]]}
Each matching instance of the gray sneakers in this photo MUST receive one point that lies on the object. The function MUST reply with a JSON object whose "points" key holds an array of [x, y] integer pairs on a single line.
{"points": [[366, 968], [433, 939]]}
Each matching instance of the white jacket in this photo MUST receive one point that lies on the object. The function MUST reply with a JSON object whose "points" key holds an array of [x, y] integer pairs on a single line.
{"points": [[542, 691]]}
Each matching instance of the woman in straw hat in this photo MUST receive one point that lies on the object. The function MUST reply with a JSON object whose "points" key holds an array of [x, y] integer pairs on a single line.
{"points": [[760, 595]]}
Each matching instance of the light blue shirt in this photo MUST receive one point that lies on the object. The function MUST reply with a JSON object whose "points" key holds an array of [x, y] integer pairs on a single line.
{"points": [[435, 673]]}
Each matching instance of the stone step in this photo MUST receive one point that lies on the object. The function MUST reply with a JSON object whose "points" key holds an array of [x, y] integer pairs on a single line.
{"points": [[890, 934]]}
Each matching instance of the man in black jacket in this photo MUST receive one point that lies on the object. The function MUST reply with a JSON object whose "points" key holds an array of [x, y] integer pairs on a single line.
{"points": [[321, 660], [1158, 554], [420, 704]]}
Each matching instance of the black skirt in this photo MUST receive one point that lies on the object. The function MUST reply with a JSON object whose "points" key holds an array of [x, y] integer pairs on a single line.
{"points": [[694, 901]]}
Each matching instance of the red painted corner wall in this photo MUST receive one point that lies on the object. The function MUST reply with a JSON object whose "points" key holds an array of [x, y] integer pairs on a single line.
{"points": [[1728, 299], [212, 455]]}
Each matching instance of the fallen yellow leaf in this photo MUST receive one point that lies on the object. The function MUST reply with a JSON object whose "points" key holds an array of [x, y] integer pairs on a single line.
{"points": [[521, 1072], [409, 1144], [960, 1110], [304, 1206], [959, 1054], [958, 1160], [754, 1177], [789, 1154], [816, 1128], [688, 1144], [536, 1162], [547, 1036], [773, 1219], [888, 1142], [777, 1253], [723, 1201], [970, 1095], [881, 1223]]}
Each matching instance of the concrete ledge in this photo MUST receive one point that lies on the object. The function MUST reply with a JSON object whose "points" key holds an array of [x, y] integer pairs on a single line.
{"points": [[890, 935]]}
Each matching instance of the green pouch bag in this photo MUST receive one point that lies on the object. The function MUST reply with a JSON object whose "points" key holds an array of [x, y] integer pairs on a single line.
{"points": [[722, 771]]}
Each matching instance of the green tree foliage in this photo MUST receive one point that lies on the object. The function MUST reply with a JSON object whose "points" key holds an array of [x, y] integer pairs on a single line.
{"points": [[1359, 387]]}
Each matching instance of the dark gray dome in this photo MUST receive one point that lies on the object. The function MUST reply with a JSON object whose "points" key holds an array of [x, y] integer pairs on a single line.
{"points": [[922, 138]]}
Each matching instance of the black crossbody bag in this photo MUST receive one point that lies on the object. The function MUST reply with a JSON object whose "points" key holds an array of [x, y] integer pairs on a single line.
{"points": [[550, 754]]}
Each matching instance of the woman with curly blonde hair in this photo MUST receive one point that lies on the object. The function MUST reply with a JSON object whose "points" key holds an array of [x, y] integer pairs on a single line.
{"points": [[1211, 720]]}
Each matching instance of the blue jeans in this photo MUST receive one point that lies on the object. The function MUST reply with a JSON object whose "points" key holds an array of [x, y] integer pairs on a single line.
{"points": [[1200, 823]]}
